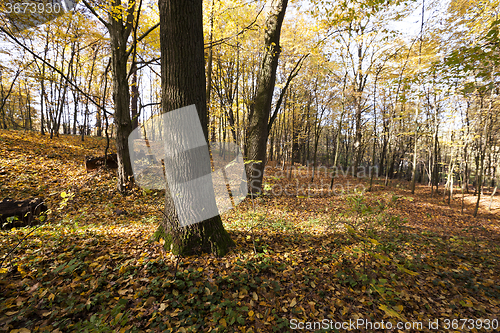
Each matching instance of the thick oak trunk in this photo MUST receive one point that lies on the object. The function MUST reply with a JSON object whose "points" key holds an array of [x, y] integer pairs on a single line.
{"points": [[183, 84]]}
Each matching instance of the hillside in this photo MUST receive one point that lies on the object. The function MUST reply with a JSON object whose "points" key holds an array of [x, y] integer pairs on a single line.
{"points": [[384, 255]]}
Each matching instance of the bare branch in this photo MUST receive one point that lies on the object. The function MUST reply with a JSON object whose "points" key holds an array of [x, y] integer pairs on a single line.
{"points": [[53, 68], [92, 10], [293, 74]]}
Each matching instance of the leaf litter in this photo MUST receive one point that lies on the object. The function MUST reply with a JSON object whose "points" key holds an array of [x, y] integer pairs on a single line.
{"points": [[381, 255]]}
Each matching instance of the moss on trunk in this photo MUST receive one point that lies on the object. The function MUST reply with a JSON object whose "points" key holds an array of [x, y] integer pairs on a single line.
{"points": [[208, 236]]}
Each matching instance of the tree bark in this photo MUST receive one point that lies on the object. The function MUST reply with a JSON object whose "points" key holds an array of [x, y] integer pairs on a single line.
{"points": [[183, 84]]}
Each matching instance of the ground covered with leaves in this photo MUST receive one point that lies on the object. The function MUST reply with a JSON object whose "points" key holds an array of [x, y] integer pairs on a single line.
{"points": [[306, 257]]}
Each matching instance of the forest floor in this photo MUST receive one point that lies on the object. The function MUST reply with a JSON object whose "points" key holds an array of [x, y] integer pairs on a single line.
{"points": [[347, 259]]}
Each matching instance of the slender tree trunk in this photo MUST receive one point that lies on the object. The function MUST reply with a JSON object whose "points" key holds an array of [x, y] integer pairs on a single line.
{"points": [[209, 72], [76, 100], [479, 181], [28, 106], [374, 126], [2, 95], [317, 133], [134, 97], [119, 34], [357, 151], [261, 108], [451, 168], [3, 101], [435, 171], [42, 86], [358, 102], [494, 189], [120, 28], [414, 164], [482, 151], [104, 112]]}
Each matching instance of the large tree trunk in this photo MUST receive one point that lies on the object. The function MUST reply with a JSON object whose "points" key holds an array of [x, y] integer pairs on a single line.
{"points": [[258, 132], [120, 28], [483, 145], [183, 84]]}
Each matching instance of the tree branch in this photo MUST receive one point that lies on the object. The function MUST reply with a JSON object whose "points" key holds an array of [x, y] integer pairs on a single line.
{"points": [[129, 21], [220, 41], [293, 74], [150, 30], [92, 10]]}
